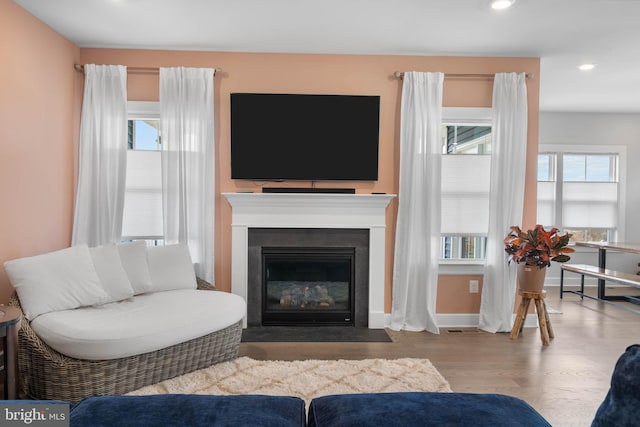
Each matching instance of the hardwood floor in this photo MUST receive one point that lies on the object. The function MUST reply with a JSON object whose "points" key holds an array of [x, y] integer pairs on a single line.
{"points": [[565, 381]]}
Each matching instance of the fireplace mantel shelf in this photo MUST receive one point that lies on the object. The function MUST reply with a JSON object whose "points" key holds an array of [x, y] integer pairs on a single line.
{"points": [[309, 199], [312, 210], [315, 210]]}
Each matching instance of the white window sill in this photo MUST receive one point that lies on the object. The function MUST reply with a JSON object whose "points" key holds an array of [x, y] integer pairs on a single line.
{"points": [[461, 267]]}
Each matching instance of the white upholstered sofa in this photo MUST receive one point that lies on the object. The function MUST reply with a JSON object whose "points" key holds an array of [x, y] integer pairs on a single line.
{"points": [[111, 319]]}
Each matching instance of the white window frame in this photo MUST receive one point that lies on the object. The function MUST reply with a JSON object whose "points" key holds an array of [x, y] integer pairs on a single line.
{"points": [[140, 110], [464, 116], [620, 150], [137, 110]]}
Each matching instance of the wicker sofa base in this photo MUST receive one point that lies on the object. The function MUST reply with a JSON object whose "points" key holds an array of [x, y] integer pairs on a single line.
{"points": [[47, 374], [64, 378]]}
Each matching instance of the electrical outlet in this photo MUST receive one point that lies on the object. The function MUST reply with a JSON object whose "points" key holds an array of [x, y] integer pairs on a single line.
{"points": [[473, 286]]}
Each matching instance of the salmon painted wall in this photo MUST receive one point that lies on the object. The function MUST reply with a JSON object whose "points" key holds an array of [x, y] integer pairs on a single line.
{"points": [[334, 74], [39, 123], [39, 114]]}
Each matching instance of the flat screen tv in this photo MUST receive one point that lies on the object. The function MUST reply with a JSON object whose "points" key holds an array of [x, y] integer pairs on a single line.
{"points": [[279, 137]]}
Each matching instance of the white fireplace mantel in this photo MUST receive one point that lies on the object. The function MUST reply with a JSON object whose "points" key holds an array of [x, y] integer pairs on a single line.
{"points": [[311, 210]]}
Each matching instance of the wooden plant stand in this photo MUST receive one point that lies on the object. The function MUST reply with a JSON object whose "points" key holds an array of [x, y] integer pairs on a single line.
{"points": [[546, 331]]}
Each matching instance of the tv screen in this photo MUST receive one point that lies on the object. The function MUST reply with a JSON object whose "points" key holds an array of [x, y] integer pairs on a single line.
{"points": [[304, 137]]}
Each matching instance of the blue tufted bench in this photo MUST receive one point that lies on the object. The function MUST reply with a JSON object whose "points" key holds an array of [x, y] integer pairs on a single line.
{"points": [[422, 409], [189, 411], [383, 409], [182, 410]]}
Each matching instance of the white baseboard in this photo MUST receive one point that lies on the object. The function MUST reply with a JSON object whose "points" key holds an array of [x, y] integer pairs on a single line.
{"points": [[467, 320], [458, 320], [470, 320]]}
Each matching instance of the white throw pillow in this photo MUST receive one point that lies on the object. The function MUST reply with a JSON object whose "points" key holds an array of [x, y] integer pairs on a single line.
{"points": [[106, 260], [171, 268], [134, 260], [60, 280]]}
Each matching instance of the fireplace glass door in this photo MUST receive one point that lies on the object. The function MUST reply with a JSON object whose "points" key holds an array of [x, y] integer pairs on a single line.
{"points": [[303, 286]]}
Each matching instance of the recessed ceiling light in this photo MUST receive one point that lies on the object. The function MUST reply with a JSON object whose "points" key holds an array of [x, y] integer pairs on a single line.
{"points": [[586, 67], [502, 4]]}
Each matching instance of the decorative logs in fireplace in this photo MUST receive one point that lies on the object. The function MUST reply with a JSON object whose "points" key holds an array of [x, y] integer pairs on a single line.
{"points": [[306, 296]]}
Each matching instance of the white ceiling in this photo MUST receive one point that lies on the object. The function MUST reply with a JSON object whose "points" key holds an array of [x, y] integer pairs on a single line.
{"points": [[563, 33]]}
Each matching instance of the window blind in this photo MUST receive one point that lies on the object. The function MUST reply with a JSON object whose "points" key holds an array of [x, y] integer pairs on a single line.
{"points": [[142, 216], [590, 204], [465, 194], [546, 203]]}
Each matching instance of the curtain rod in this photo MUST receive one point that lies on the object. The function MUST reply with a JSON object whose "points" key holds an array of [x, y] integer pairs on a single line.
{"points": [[136, 70], [486, 76]]}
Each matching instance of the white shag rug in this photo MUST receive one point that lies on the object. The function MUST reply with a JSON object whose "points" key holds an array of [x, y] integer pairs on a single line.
{"points": [[306, 379]]}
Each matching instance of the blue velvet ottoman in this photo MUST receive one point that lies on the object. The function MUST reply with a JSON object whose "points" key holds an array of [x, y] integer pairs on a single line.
{"points": [[422, 409], [177, 410]]}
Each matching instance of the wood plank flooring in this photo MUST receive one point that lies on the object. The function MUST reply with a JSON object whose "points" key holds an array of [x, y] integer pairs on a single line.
{"points": [[565, 381]]}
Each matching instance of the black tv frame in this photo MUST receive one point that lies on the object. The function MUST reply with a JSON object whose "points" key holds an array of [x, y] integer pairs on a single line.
{"points": [[304, 137]]}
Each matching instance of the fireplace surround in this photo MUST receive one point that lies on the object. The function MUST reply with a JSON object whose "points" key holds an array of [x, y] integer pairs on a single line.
{"points": [[316, 249], [311, 211]]}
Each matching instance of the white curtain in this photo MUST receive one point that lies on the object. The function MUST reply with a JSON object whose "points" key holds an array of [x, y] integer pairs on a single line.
{"points": [[506, 199], [103, 156], [415, 270], [186, 122]]}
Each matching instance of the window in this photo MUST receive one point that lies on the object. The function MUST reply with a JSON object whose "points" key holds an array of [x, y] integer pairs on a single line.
{"points": [[142, 218], [144, 134], [466, 163], [466, 139], [579, 191]]}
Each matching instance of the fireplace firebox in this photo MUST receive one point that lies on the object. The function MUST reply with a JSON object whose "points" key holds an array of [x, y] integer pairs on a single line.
{"points": [[308, 250], [308, 286]]}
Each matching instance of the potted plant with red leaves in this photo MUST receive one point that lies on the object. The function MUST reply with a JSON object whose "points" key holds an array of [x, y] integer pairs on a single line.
{"points": [[533, 250]]}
